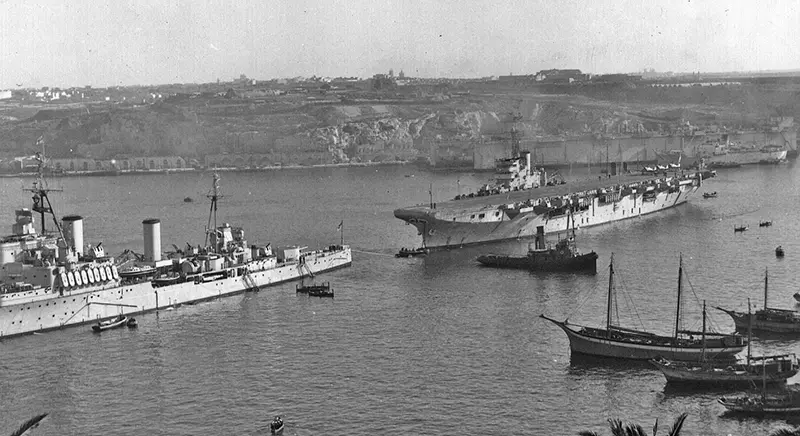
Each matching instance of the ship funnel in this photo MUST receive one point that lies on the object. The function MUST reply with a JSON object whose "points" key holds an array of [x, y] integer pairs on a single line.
{"points": [[540, 237], [73, 233], [152, 239], [526, 155]]}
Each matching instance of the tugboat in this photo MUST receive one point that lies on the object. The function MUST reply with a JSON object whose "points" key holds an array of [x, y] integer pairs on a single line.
{"points": [[412, 252], [276, 426], [564, 256], [323, 290]]}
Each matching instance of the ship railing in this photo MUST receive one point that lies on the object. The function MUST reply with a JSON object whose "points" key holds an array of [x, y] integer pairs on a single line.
{"points": [[707, 333], [773, 357]]}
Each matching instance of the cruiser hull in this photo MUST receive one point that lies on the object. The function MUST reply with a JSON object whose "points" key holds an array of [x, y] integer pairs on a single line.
{"points": [[37, 313], [441, 233]]}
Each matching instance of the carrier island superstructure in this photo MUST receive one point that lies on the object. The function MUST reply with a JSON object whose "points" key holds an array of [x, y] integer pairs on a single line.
{"points": [[46, 285], [523, 203]]}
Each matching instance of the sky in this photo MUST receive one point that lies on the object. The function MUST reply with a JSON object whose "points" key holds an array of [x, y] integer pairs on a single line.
{"points": [[124, 42]]}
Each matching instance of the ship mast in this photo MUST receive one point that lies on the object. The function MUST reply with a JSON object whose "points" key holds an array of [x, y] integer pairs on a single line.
{"points": [[515, 136], [766, 282], [214, 195], [39, 188], [678, 312], [703, 355], [749, 331], [610, 288]]}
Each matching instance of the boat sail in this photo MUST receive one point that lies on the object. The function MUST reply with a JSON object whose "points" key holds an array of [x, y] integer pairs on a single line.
{"points": [[768, 369], [767, 319], [618, 342]]}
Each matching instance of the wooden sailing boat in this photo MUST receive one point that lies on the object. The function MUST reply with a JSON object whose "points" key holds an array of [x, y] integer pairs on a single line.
{"points": [[769, 369], [783, 402], [767, 319], [618, 342]]}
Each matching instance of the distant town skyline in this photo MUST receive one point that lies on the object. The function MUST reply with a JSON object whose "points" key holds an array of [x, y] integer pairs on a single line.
{"points": [[83, 42]]}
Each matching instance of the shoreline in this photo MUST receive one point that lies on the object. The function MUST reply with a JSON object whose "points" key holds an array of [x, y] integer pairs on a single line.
{"points": [[101, 173]]}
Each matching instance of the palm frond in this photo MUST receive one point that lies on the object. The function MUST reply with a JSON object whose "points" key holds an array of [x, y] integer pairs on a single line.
{"points": [[783, 431], [677, 425], [617, 428], [29, 424]]}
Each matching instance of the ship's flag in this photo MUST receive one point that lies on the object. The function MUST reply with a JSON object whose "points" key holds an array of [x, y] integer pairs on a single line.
{"points": [[339, 227]]}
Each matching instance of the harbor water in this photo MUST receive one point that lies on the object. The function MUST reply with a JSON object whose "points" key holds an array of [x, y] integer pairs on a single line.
{"points": [[434, 345]]}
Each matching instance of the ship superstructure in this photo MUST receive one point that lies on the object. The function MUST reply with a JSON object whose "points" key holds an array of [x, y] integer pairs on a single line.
{"points": [[514, 173], [24, 236], [54, 286], [549, 209]]}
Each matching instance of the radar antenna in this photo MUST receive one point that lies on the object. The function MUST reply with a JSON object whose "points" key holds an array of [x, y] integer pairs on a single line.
{"points": [[39, 188]]}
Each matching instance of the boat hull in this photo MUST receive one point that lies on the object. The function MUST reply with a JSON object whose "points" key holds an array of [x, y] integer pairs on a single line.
{"points": [[747, 157], [584, 263], [82, 306], [757, 406], [102, 327], [453, 226], [742, 321], [606, 347], [720, 376]]}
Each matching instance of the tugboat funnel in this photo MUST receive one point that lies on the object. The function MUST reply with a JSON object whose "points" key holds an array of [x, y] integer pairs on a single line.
{"points": [[152, 239]]}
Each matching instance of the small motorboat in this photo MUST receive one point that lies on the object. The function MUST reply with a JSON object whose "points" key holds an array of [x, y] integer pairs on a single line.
{"points": [[188, 200], [132, 323], [764, 223], [737, 229], [110, 323], [323, 290], [710, 194], [797, 296], [276, 426], [137, 272], [779, 251], [409, 252]]}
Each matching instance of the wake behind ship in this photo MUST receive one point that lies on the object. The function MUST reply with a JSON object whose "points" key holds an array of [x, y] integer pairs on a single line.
{"points": [[46, 286], [523, 203]]}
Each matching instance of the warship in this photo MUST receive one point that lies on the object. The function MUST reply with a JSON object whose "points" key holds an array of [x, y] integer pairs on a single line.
{"points": [[724, 154], [50, 283], [523, 199]]}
